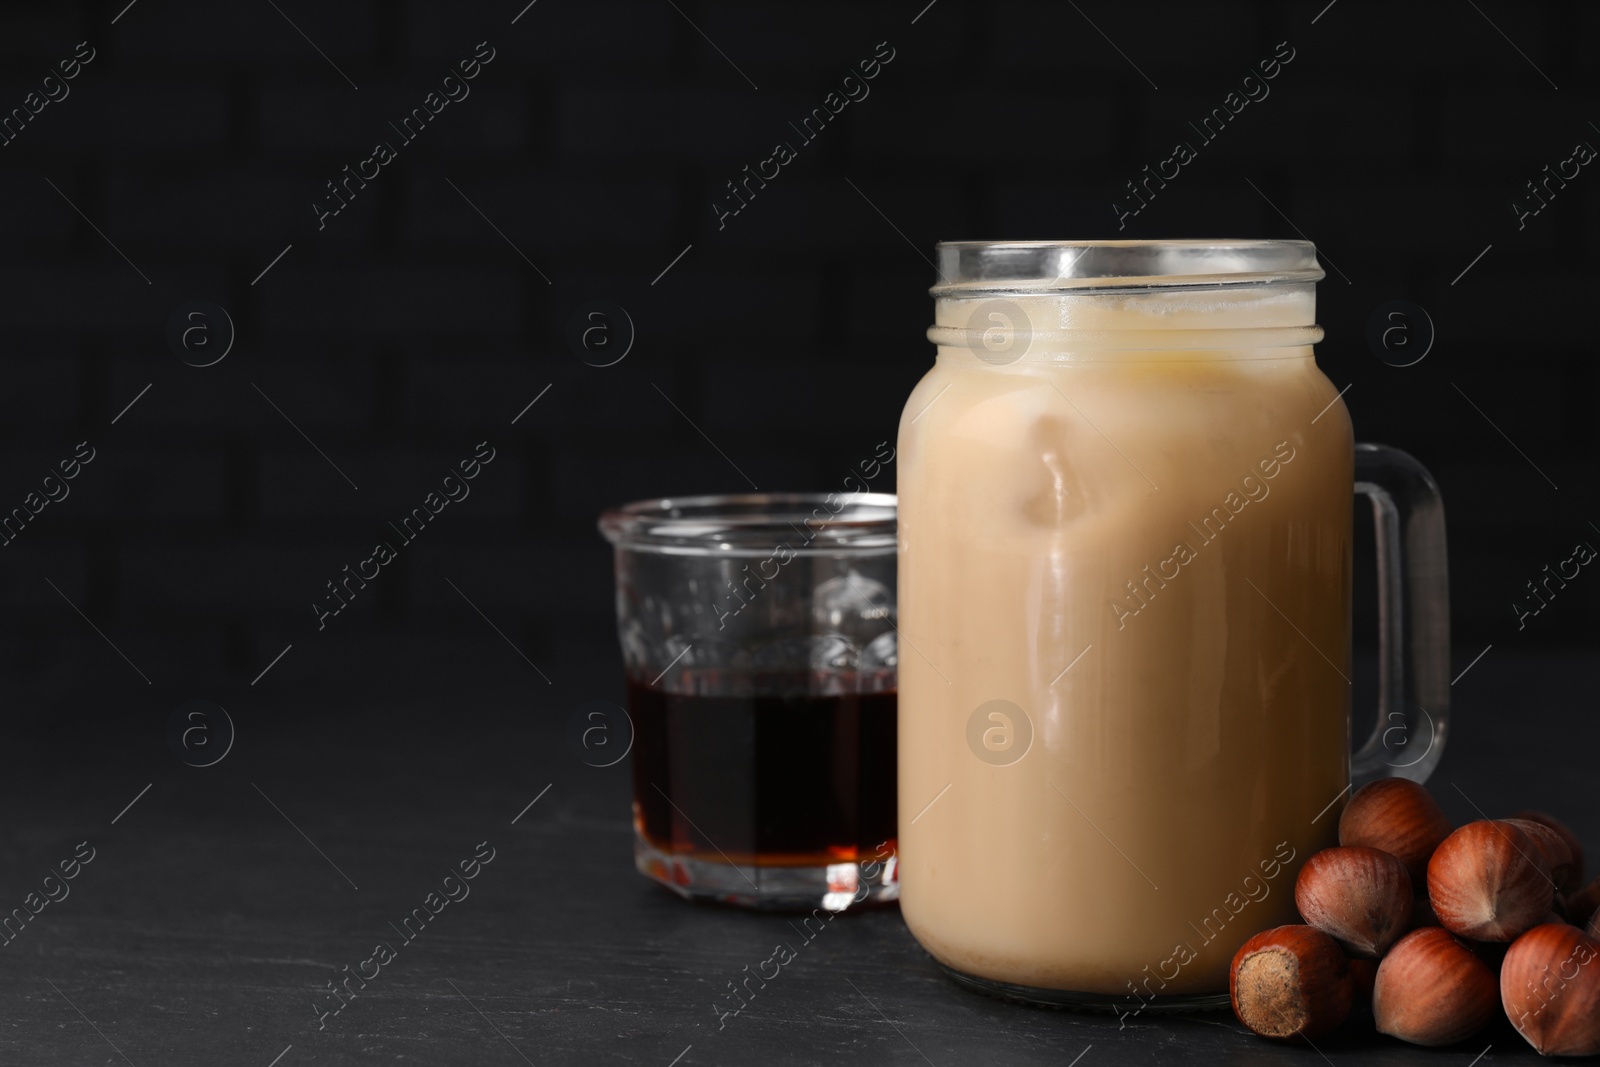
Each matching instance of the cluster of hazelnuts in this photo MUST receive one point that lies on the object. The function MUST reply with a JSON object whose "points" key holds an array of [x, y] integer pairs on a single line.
{"points": [[1440, 928]]}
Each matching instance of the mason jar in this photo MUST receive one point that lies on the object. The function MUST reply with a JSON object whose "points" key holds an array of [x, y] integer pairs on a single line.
{"points": [[1125, 506]]}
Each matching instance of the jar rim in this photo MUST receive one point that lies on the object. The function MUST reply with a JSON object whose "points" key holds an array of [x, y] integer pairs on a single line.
{"points": [[970, 268], [746, 524]]}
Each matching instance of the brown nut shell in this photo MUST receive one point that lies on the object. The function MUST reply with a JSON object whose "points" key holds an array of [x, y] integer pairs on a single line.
{"points": [[1359, 896], [1489, 881], [1573, 844], [1556, 851], [1432, 989], [1290, 980], [1550, 987], [1584, 901], [1400, 817]]}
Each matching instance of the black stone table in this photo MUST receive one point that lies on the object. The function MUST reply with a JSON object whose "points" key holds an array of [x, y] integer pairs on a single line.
{"points": [[221, 901]]}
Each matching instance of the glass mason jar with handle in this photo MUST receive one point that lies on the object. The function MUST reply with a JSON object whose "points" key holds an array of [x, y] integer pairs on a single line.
{"points": [[1125, 507]]}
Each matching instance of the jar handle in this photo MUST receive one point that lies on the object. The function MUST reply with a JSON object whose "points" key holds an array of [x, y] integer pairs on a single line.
{"points": [[1413, 617]]}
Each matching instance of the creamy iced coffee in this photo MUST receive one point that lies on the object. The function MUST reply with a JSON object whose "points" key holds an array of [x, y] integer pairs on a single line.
{"points": [[1124, 618]]}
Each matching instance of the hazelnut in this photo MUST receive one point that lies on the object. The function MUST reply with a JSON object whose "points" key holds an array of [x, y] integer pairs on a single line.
{"points": [[1573, 844], [1432, 989], [1359, 896], [1550, 986], [1584, 901], [1557, 852], [1290, 980], [1398, 816], [1489, 881]]}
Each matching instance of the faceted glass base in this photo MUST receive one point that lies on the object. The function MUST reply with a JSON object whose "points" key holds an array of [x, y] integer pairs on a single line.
{"points": [[1095, 1002], [831, 887]]}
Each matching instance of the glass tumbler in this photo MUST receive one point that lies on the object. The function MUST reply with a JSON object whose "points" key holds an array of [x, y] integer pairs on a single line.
{"points": [[759, 646]]}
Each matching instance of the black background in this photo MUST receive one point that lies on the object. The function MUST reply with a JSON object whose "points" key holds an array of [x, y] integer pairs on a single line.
{"points": [[775, 350], [598, 139]]}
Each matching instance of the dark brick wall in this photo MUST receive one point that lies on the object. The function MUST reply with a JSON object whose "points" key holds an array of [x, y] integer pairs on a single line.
{"points": [[409, 329]]}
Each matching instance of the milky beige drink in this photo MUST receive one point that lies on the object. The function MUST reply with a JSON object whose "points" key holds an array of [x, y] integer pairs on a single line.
{"points": [[1125, 524]]}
